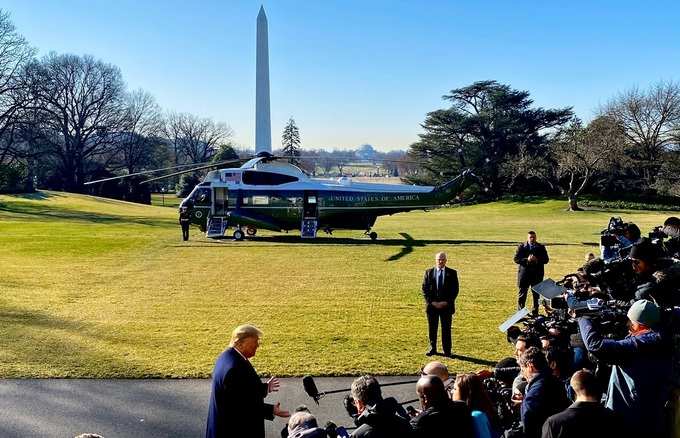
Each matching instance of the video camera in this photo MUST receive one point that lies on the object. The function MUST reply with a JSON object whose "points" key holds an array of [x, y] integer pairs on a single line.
{"points": [[615, 228], [657, 235], [501, 397]]}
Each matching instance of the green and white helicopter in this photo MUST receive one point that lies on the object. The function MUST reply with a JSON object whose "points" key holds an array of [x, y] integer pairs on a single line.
{"points": [[268, 192]]}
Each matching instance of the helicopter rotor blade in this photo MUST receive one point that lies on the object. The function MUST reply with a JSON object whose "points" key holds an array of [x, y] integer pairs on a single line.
{"points": [[216, 164], [145, 172], [347, 158]]}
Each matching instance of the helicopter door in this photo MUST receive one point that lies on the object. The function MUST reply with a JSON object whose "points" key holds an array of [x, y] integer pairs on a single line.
{"points": [[310, 215], [221, 199], [217, 222]]}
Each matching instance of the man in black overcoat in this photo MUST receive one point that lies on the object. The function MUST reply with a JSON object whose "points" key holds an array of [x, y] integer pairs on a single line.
{"points": [[440, 289], [530, 258], [237, 407]]}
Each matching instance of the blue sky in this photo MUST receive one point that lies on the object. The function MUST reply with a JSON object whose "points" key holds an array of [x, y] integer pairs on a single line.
{"points": [[353, 72]]}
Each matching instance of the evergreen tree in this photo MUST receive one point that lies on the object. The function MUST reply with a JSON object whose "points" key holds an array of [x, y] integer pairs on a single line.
{"points": [[486, 124], [225, 152], [290, 141]]}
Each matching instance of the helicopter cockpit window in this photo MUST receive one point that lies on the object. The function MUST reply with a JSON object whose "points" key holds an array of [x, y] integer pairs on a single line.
{"points": [[257, 178], [202, 196]]}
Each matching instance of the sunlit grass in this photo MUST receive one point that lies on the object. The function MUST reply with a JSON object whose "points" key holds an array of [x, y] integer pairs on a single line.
{"points": [[93, 287], [165, 200]]}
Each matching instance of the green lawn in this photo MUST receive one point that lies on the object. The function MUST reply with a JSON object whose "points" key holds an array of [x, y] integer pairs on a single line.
{"points": [[165, 200], [94, 287]]}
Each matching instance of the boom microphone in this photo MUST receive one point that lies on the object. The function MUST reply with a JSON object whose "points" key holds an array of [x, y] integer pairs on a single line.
{"points": [[312, 391], [310, 388]]}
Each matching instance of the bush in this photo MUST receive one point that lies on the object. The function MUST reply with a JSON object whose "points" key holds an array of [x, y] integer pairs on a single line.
{"points": [[12, 178], [630, 205]]}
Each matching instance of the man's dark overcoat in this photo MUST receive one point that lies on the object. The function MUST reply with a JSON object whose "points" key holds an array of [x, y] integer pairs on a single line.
{"points": [[237, 407]]}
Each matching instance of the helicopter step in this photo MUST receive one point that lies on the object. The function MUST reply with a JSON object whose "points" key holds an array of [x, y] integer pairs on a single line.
{"points": [[216, 227], [308, 230]]}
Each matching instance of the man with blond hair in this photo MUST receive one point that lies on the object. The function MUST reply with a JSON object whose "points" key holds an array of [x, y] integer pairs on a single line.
{"points": [[237, 406]]}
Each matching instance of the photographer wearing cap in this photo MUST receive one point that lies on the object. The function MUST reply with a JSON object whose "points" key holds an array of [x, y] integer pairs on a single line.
{"points": [[657, 278], [640, 376]]}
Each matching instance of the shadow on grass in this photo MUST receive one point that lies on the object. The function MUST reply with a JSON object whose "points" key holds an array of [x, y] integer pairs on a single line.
{"points": [[36, 342], [36, 196], [59, 213], [407, 243]]}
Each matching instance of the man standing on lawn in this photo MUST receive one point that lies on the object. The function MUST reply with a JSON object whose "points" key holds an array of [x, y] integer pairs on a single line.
{"points": [[440, 289], [530, 258]]}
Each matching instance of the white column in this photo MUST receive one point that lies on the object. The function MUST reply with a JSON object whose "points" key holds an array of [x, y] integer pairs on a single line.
{"points": [[263, 129]]}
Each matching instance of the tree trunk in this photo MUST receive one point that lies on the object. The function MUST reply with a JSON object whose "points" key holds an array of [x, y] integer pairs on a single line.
{"points": [[573, 205], [29, 187], [572, 193]]}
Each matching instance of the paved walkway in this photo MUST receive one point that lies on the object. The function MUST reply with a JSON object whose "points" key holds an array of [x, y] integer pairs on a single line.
{"points": [[148, 408]]}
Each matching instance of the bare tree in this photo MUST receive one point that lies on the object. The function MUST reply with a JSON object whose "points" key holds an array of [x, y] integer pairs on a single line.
{"points": [[580, 153], [195, 139], [80, 110], [649, 119], [529, 166], [142, 128], [15, 53]]}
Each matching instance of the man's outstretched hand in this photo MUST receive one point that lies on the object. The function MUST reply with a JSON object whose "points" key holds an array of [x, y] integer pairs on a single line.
{"points": [[273, 385], [280, 412]]}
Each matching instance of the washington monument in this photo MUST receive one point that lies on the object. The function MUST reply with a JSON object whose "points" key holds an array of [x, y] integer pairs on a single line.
{"points": [[263, 129]]}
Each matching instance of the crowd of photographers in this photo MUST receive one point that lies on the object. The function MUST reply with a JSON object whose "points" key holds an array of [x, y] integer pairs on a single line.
{"points": [[602, 361]]}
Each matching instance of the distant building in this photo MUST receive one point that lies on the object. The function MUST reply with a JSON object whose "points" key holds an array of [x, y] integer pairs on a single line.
{"points": [[366, 152]]}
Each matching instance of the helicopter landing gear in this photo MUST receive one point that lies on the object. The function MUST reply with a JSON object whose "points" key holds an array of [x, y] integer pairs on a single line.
{"points": [[251, 231], [238, 234]]}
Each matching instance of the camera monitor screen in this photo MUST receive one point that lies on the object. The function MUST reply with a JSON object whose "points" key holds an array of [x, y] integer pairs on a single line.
{"points": [[514, 319], [548, 289]]}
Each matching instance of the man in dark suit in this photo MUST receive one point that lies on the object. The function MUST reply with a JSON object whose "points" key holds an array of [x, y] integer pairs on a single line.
{"points": [[440, 289], [530, 256], [237, 407], [585, 418]]}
